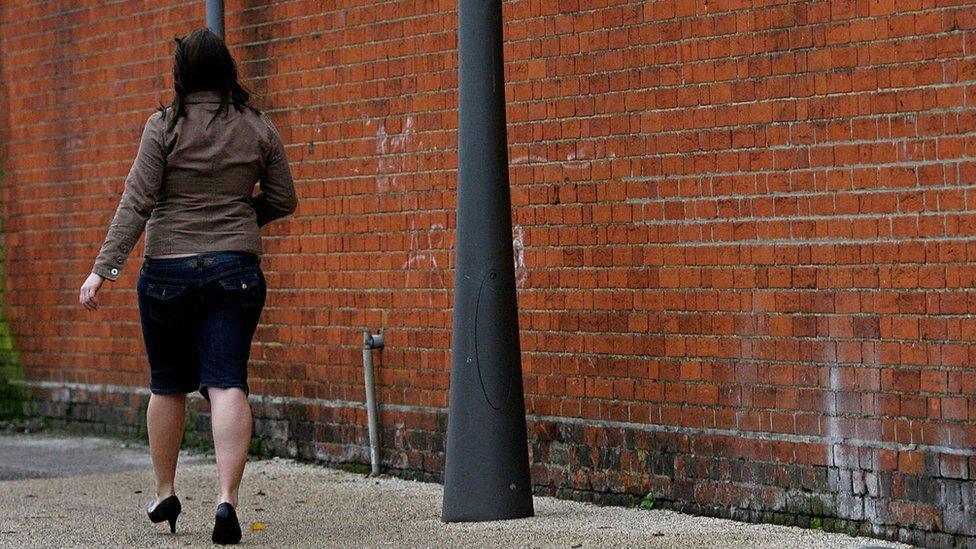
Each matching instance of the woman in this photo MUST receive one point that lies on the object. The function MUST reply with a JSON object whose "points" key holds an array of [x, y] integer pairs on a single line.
{"points": [[201, 289]]}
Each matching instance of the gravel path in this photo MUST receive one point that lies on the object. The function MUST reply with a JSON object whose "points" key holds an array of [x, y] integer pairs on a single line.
{"points": [[303, 505]]}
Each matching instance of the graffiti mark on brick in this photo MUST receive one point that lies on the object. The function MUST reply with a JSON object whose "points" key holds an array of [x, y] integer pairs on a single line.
{"points": [[518, 250], [390, 155], [421, 255]]}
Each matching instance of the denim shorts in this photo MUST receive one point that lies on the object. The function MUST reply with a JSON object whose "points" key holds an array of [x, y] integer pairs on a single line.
{"points": [[198, 317]]}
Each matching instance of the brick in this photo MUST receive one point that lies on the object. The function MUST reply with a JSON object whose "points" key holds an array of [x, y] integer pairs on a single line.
{"points": [[953, 466]]}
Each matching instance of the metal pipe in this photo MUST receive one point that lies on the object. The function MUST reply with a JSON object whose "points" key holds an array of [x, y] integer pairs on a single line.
{"points": [[215, 16], [371, 342], [486, 474]]}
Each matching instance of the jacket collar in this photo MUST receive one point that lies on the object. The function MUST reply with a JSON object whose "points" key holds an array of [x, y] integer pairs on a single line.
{"points": [[203, 96]]}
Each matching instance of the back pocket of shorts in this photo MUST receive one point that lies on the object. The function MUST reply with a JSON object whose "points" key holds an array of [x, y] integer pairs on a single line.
{"points": [[241, 282], [163, 292], [243, 289]]}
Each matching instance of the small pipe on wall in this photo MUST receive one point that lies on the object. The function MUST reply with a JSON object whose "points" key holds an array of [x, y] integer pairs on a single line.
{"points": [[370, 342]]}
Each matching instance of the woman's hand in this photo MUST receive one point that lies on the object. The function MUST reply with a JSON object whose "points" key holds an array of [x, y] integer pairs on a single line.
{"points": [[88, 291]]}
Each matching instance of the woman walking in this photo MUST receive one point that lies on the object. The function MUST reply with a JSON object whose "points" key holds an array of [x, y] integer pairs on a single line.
{"points": [[201, 289]]}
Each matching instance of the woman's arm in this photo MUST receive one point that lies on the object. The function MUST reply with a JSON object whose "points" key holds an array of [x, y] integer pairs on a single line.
{"points": [[138, 200], [277, 197]]}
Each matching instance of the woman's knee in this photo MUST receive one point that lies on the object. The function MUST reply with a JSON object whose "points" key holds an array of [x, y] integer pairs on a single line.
{"points": [[226, 394], [168, 397]]}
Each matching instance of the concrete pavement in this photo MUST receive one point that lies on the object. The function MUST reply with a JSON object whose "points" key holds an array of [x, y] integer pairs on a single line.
{"points": [[69, 491]]}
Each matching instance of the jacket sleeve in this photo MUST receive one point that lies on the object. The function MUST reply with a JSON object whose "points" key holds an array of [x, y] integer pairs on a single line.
{"points": [[139, 197], [277, 196]]}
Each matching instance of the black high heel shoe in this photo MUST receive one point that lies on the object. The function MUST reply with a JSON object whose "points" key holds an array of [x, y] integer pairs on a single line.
{"points": [[227, 530], [168, 510]]}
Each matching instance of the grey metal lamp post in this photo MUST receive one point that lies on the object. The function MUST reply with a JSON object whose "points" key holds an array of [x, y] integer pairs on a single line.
{"points": [[215, 16], [487, 467]]}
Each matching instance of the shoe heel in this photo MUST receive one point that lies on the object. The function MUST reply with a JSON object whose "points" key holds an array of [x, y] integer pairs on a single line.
{"points": [[167, 510], [227, 527]]}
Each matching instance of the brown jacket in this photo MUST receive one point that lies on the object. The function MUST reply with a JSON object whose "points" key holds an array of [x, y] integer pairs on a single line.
{"points": [[191, 187]]}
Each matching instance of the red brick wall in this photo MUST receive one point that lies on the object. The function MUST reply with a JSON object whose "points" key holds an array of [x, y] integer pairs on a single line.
{"points": [[744, 238]]}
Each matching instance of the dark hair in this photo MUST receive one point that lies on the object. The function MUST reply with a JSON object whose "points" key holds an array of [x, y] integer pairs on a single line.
{"points": [[203, 62]]}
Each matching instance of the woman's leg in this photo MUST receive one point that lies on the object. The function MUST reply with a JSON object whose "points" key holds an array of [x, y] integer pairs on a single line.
{"points": [[230, 417], [164, 420]]}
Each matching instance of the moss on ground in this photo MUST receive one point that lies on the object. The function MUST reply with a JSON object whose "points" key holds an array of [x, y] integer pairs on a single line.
{"points": [[647, 502]]}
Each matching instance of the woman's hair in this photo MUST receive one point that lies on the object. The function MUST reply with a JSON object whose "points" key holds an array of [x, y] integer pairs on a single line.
{"points": [[203, 62]]}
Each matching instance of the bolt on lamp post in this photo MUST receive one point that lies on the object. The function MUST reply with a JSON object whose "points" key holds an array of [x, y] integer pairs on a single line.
{"points": [[487, 466]]}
